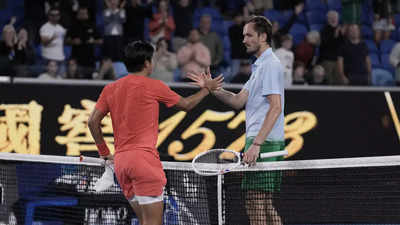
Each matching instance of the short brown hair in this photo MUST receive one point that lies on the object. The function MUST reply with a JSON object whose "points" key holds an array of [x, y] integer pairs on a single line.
{"points": [[262, 25]]}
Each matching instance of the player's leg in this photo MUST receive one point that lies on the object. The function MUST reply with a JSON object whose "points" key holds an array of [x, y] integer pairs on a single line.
{"points": [[151, 209], [256, 208], [272, 214], [137, 209]]}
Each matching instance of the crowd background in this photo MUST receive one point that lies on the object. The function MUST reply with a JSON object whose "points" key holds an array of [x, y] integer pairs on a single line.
{"points": [[319, 42]]}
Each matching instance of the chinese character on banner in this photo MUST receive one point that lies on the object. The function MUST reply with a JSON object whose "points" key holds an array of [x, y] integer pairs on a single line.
{"points": [[75, 124], [20, 128]]}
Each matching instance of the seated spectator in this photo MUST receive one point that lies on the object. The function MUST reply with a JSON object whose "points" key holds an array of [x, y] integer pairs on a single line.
{"points": [[212, 41], [164, 62], [299, 73], [395, 61], [317, 76], [194, 57], [73, 70], [114, 17], [382, 25], [52, 68], [286, 57], [305, 51], [162, 25], [354, 64], [257, 7], [52, 39], [24, 55], [238, 50], [278, 32], [106, 71], [183, 17], [332, 36], [9, 39], [83, 37], [244, 72], [136, 13]]}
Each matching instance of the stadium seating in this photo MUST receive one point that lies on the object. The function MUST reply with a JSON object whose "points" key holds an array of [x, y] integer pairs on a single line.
{"points": [[372, 48], [298, 31]]}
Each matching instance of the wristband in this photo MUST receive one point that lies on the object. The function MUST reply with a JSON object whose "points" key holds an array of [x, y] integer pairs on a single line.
{"points": [[256, 144], [103, 149]]}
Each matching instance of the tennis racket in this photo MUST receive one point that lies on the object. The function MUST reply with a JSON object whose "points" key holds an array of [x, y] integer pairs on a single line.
{"points": [[220, 161], [107, 179]]}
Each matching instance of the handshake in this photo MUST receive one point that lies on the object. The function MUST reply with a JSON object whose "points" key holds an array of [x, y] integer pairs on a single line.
{"points": [[205, 80]]}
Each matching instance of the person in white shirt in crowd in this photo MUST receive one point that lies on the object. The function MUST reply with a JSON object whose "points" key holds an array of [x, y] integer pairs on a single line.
{"points": [[286, 56], [51, 73], [52, 39], [394, 59]]}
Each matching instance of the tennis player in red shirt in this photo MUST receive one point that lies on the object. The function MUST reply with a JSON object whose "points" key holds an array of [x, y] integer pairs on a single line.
{"points": [[133, 102]]}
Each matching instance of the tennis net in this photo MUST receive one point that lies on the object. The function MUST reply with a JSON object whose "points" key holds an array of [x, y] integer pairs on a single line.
{"points": [[60, 190]]}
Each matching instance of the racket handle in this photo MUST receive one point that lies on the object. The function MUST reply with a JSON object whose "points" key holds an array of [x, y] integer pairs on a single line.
{"points": [[91, 159], [274, 154]]}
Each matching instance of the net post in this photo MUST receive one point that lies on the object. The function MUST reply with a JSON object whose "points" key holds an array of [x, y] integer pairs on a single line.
{"points": [[219, 197]]}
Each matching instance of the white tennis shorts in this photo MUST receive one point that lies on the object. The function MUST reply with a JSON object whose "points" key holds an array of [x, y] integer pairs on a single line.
{"points": [[144, 200]]}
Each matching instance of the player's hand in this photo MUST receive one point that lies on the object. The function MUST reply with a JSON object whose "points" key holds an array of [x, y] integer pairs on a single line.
{"points": [[250, 157], [204, 80], [108, 157]]}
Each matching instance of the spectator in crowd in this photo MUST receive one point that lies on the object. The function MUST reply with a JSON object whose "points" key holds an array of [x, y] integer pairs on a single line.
{"points": [[354, 63], [34, 18], [299, 73], [194, 57], [136, 13], [165, 62], [238, 51], [114, 17], [73, 71], [183, 17], [52, 39], [317, 76], [278, 32], [106, 70], [243, 74], [52, 68], [305, 51], [286, 57], [351, 11], [395, 61], [162, 25], [382, 24], [24, 55], [83, 37], [212, 41], [332, 36], [257, 7], [9, 39]]}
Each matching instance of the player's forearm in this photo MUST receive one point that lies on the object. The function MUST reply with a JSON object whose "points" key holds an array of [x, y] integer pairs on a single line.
{"points": [[228, 98], [195, 99], [269, 122], [95, 130]]}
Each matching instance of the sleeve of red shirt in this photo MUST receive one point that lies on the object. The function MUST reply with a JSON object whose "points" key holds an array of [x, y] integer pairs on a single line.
{"points": [[165, 95], [101, 104]]}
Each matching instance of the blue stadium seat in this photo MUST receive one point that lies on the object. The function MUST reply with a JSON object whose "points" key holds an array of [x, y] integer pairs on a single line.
{"points": [[227, 24], [315, 5], [120, 69], [366, 32], [334, 5], [286, 15], [375, 62], [274, 15], [386, 46], [372, 46], [207, 10], [397, 19], [316, 17], [366, 17], [316, 27], [67, 51], [386, 63], [382, 77], [298, 31], [227, 43], [301, 18]]}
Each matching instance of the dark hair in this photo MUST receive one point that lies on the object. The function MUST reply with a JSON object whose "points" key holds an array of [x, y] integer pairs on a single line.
{"points": [[262, 25], [135, 55]]}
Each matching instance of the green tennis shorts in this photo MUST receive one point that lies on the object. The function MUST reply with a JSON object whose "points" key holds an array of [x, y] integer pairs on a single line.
{"points": [[269, 181]]}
